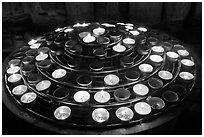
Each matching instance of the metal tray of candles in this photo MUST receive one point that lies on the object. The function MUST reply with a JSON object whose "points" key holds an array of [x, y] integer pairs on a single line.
{"points": [[100, 75]]}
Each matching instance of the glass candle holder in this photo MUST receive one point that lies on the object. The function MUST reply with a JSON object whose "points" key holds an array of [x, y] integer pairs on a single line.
{"points": [[28, 97], [124, 113], [84, 34], [135, 32], [151, 41], [179, 89], [115, 35], [132, 75], [84, 81], [103, 40], [99, 31], [70, 43], [81, 96], [61, 93], [141, 89], [96, 66], [100, 115], [35, 46], [59, 73], [119, 48], [141, 39], [28, 60], [100, 52], [172, 56], [89, 39], [165, 75], [186, 76], [126, 61], [187, 62], [111, 80], [19, 55], [31, 52], [19, 90], [27, 69], [143, 49], [33, 78], [76, 49], [13, 70], [41, 57], [142, 108], [158, 50], [73, 63], [43, 50], [156, 103], [183, 52], [14, 62], [155, 83], [45, 64], [142, 29], [167, 45], [62, 112], [156, 59], [43, 85], [121, 94], [170, 96], [128, 42], [145, 68], [102, 96], [14, 78]]}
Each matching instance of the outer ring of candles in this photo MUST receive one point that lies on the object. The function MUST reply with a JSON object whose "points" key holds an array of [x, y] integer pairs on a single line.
{"points": [[111, 82], [59, 73], [81, 96], [142, 108], [179, 89], [165, 75], [186, 75], [145, 68], [100, 115], [28, 97], [14, 62], [141, 89], [61, 93], [13, 70], [170, 96], [43, 85], [155, 83], [102, 96], [124, 113], [14, 78], [187, 62], [19, 90], [156, 103], [121, 94], [62, 112]]}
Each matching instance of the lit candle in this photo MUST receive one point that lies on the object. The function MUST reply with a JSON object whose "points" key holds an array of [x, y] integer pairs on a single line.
{"points": [[84, 34], [14, 78], [187, 62], [119, 48], [14, 62], [124, 113], [62, 112], [13, 69], [43, 85], [142, 29], [89, 39], [186, 75], [35, 46], [28, 97], [61, 93], [59, 73], [142, 108], [146, 68], [128, 42], [135, 32], [129, 27], [100, 115], [156, 103], [102, 96], [121, 94], [170, 96], [172, 55], [155, 83], [183, 53], [73, 63], [156, 58], [158, 49], [141, 89], [41, 56], [99, 31], [81, 96], [32, 41], [19, 90], [165, 75], [68, 30], [111, 80], [129, 24], [84, 80]]}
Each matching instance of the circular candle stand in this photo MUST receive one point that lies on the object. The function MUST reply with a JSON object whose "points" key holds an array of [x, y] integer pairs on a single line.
{"points": [[94, 80]]}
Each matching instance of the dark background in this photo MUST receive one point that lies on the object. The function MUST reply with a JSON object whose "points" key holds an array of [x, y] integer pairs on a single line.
{"points": [[183, 20]]}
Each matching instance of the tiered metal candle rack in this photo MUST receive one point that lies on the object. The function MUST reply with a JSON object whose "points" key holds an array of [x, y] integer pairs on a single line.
{"points": [[100, 75]]}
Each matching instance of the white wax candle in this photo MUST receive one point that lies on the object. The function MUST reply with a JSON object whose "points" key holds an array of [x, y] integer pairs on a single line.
{"points": [[14, 62], [68, 30], [129, 24], [156, 58], [100, 115], [120, 23], [142, 108], [59, 73], [187, 62], [14, 78], [186, 75], [111, 79], [141, 89], [129, 27], [172, 55], [19, 90], [41, 57], [108, 25], [99, 31], [166, 75], [124, 113], [135, 32], [89, 39], [102, 96], [145, 68], [59, 30], [158, 49], [13, 69], [129, 41], [62, 112], [142, 29], [119, 48], [28, 97], [31, 42], [84, 34], [81, 96], [35, 46], [183, 53], [43, 85]]}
